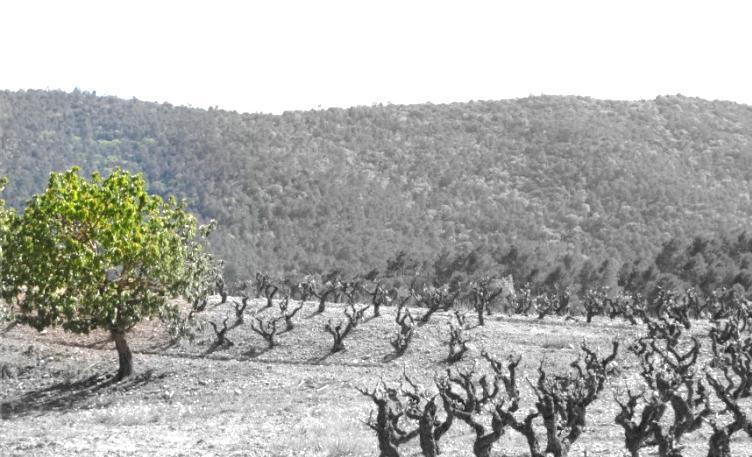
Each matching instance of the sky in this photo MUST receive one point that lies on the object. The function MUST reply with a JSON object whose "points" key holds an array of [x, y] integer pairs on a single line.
{"points": [[280, 55]]}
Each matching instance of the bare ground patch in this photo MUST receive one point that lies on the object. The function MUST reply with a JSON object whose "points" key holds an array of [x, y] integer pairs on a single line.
{"points": [[295, 399]]}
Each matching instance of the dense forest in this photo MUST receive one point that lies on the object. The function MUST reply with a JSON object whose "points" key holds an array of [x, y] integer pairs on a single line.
{"points": [[565, 191]]}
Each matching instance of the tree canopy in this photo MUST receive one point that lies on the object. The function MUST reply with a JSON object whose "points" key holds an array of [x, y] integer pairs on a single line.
{"points": [[102, 253], [6, 215]]}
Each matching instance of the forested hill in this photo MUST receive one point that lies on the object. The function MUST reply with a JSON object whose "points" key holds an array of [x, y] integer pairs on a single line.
{"points": [[309, 191]]}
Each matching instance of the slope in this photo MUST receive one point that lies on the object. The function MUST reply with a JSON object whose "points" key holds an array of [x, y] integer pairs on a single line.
{"points": [[348, 188]]}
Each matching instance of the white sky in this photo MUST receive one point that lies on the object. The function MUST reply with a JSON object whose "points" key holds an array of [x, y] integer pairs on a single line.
{"points": [[281, 55]]}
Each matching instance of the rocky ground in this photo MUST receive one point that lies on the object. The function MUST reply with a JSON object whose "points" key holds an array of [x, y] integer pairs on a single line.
{"points": [[58, 397]]}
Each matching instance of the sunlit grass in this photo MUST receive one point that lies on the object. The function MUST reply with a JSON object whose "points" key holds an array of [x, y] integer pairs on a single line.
{"points": [[327, 437]]}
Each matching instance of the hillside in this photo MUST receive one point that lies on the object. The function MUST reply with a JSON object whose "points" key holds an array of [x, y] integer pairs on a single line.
{"points": [[348, 188]]}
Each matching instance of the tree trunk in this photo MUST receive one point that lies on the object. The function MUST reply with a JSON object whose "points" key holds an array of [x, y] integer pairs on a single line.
{"points": [[322, 301], [633, 443], [427, 435], [483, 444], [386, 448], [124, 355], [322, 305], [719, 445], [525, 428], [554, 444], [428, 445], [533, 445]]}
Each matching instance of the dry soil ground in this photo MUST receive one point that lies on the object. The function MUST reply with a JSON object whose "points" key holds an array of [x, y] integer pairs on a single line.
{"points": [[57, 396]]}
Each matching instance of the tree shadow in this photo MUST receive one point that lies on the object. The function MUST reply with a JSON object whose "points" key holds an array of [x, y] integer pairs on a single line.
{"points": [[314, 314], [65, 396], [254, 353], [316, 360], [421, 323], [215, 346], [161, 347], [91, 345], [9, 327], [391, 357]]}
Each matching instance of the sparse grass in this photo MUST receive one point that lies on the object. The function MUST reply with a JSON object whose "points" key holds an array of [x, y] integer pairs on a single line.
{"points": [[321, 437], [129, 416], [557, 342]]}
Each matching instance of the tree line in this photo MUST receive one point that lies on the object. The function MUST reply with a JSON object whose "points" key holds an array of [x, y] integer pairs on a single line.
{"points": [[564, 181]]}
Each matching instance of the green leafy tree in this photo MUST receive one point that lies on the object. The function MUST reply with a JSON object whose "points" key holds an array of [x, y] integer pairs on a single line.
{"points": [[103, 253], [6, 216]]}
